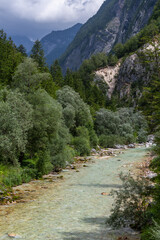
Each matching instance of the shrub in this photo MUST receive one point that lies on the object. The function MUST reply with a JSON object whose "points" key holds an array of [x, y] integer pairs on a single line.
{"points": [[155, 231], [110, 140], [13, 178], [142, 136], [93, 138], [16, 176], [131, 202], [43, 165], [81, 145]]}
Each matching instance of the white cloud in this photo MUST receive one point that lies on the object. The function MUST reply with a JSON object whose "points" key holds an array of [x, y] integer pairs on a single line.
{"points": [[51, 10]]}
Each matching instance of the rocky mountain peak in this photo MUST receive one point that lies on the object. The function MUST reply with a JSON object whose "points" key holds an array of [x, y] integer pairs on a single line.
{"points": [[115, 22]]}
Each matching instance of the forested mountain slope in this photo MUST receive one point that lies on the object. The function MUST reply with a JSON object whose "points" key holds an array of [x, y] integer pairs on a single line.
{"points": [[116, 21]]}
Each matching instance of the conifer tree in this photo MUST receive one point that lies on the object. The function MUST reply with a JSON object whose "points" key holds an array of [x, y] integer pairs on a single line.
{"points": [[37, 54], [22, 50], [69, 78], [56, 73], [9, 59]]}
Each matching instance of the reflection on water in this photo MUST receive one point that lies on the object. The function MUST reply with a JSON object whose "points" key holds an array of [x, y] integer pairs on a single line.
{"points": [[73, 209]]}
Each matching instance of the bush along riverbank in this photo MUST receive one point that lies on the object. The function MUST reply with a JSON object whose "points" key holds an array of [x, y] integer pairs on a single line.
{"points": [[137, 203]]}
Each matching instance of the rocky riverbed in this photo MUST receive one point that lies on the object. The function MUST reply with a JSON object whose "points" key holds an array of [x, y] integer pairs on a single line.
{"points": [[74, 206]]}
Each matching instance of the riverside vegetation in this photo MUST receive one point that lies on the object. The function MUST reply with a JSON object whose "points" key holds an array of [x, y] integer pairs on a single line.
{"points": [[46, 118], [44, 122]]}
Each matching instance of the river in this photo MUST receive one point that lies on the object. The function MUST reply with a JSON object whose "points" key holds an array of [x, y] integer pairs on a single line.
{"points": [[73, 208]]}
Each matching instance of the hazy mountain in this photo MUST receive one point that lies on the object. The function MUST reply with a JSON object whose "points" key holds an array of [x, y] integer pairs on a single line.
{"points": [[55, 43], [25, 41]]}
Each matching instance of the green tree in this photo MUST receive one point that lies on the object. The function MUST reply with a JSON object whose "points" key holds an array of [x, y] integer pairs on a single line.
{"points": [[69, 80], [9, 59], [28, 78], [22, 50], [37, 54], [130, 207], [119, 50], [15, 123], [56, 73], [72, 102]]}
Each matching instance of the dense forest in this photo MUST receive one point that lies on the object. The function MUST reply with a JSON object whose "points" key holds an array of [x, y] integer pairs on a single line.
{"points": [[47, 119]]}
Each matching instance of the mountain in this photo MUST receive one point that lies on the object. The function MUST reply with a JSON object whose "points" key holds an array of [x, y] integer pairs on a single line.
{"points": [[25, 41], [55, 43], [115, 22]]}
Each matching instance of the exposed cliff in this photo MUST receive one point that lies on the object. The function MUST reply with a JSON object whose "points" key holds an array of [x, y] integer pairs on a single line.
{"points": [[128, 78], [109, 76], [116, 21]]}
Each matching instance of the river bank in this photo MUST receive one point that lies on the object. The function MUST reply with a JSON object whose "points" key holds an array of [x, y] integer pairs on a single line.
{"points": [[72, 207]]}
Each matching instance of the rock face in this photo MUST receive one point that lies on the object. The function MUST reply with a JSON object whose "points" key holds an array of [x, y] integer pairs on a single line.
{"points": [[109, 76], [116, 21], [126, 79], [55, 43]]}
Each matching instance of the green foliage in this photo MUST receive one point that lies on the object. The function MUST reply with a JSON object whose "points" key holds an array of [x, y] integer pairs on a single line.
{"points": [[15, 122], [9, 59], [43, 165], [69, 79], [156, 12], [93, 137], [76, 112], [28, 78], [37, 54], [78, 119], [130, 204], [12, 176], [155, 232], [81, 141], [112, 60], [82, 146], [22, 50], [56, 73], [59, 150], [109, 141], [120, 127], [106, 122], [82, 81], [47, 114], [142, 136], [119, 50]]}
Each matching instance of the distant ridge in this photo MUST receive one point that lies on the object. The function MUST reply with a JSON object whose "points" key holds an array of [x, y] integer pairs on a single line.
{"points": [[25, 41], [56, 42]]}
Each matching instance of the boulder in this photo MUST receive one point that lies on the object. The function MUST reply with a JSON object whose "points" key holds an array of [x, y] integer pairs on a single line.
{"points": [[131, 145]]}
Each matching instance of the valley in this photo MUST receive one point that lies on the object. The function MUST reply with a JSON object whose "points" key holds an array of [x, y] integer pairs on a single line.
{"points": [[72, 94]]}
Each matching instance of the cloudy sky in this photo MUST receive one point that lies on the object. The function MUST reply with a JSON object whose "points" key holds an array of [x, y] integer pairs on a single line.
{"points": [[35, 18]]}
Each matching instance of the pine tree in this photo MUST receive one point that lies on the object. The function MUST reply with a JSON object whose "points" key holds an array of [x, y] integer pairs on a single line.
{"points": [[22, 50], [69, 78], [37, 54], [9, 59], [56, 73]]}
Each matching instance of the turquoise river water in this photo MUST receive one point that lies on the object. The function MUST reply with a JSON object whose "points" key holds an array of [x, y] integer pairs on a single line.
{"points": [[73, 208]]}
